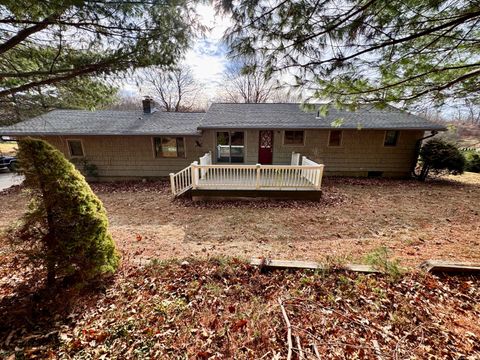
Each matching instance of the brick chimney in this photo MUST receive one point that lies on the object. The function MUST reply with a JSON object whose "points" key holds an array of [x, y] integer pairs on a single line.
{"points": [[147, 105]]}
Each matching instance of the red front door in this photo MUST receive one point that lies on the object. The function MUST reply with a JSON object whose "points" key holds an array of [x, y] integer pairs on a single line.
{"points": [[265, 147]]}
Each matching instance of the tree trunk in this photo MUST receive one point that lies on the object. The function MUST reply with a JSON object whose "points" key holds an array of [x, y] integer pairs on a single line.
{"points": [[51, 274], [50, 242], [424, 172], [50, 237]]}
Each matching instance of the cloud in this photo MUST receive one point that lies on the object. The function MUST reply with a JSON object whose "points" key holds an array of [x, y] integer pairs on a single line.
{"points": [[207, 57], [208, 61]]}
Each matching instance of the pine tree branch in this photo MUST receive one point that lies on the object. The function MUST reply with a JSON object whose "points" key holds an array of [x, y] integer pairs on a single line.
{"points": [[25, 33], [458, 21], [87, 70], [415, 77]]}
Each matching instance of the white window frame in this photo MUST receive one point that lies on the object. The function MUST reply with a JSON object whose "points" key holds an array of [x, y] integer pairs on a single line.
{"points": [[230, 131]]}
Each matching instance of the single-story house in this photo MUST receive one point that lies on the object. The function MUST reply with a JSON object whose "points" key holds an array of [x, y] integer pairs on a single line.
{"points": [[148, 144]]}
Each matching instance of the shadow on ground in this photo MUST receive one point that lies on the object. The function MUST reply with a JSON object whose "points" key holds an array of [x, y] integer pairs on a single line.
{"points": [[35, 315]]}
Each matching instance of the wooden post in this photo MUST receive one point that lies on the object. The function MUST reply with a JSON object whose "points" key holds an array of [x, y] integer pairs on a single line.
{"points": [[304, 172], [257, 183], [317, 178], [194, 175], [295, 158], [320, 176], [172, 182]]}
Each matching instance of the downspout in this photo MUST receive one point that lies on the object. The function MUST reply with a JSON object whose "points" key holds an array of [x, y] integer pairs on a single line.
{"points": [[418, 145]]}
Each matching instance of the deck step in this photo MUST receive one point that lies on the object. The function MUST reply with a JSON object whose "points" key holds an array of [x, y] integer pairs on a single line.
{"points": [[183, 191]]}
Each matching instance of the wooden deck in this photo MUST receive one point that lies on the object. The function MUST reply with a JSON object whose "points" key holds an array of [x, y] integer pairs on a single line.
{"points": [[271, 180], [304, 177]]}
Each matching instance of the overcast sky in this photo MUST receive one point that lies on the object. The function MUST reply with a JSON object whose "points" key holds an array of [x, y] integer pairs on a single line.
{"points": [[207, 58]]}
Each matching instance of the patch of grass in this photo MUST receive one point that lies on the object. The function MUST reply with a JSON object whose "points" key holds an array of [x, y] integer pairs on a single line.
{"points": [[307, 280], [161, 262], [343, 280], [335, 262], [122, 329], [170, 307], [213, 288], [380, 260]]}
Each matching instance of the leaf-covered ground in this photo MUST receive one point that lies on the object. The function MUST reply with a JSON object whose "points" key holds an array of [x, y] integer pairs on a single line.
{"points": [[417, 221], [225, 309]]}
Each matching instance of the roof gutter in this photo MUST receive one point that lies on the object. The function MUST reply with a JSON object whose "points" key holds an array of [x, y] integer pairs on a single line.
{"points": [[218, 127], [13, 133]]}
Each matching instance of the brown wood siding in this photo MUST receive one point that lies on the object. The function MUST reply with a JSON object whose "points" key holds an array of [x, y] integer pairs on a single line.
{"points": [[129, 156], [361, 151]]}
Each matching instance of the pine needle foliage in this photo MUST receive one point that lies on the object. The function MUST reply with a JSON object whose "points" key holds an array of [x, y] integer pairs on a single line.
{"points": [[438, 155], [66, 225]]}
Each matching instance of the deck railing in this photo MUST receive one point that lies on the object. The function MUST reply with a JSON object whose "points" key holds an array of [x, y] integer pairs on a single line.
{"points": [[295, 158], [205, 160], [307, 176], [259, 177], [314, 178], [181, 181]]}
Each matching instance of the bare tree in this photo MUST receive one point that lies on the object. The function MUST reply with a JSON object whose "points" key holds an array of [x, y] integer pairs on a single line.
{"points": [[473, 112], [176, 90], [127, 103], [246, 83], [284, 95]]}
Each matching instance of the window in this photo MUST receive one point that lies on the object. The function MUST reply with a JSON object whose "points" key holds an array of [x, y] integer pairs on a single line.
{"points": [[75, 148], [335, 138], [169, 147], [391, 138], [230, 146], [293, 138]]}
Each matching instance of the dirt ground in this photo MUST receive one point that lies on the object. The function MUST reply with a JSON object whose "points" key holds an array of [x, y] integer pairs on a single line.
{"points": [[417, 221]]}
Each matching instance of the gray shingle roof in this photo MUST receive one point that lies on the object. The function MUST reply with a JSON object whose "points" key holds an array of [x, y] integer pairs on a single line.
{"points": [[291, 116], [107, 122], [218, 116]]}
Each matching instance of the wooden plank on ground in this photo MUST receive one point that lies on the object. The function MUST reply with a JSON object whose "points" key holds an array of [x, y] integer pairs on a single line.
{"points": [[362, 268], [310, 265], [438, 266]]}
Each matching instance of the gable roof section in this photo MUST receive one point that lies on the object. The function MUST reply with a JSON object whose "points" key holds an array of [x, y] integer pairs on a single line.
{"points": [[291, 116], [107, 122]]}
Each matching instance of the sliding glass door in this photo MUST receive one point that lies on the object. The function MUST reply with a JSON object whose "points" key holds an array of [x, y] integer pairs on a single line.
{"points": [[230, 147]]}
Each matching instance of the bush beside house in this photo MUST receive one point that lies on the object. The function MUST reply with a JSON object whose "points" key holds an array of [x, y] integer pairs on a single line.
{"points": [[472, 161], [66, 225], [439, 155]]}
